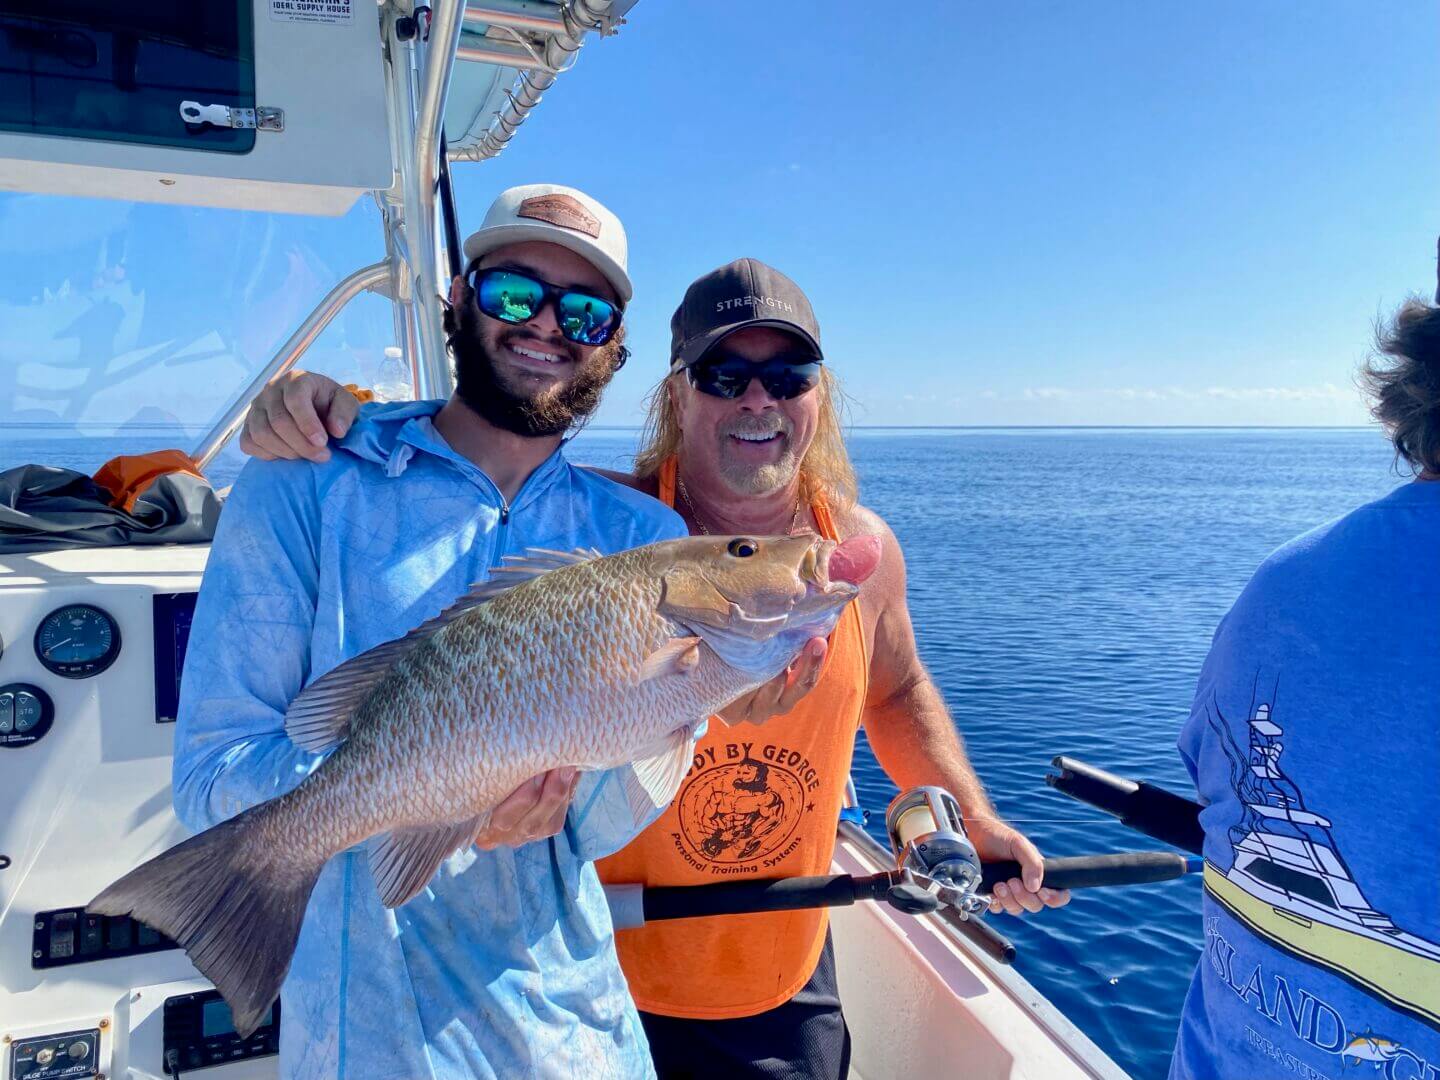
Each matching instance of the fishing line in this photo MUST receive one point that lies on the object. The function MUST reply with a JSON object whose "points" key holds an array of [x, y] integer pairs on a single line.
{"points": [[1040, 820]]}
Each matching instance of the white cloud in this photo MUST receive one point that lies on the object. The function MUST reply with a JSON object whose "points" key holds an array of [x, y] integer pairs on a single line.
{"points": [[1324, 392], [1319, 404]]}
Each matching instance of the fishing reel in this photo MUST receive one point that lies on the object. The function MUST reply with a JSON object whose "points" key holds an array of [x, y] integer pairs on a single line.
{"points": [[933, 853]]}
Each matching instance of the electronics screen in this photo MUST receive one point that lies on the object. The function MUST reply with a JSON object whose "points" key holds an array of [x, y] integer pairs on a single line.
{"points": [[173, 615], [217, 1020], [199, 1032]]}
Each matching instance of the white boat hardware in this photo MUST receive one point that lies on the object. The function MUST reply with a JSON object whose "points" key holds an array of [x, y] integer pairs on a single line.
{"points": [[480, 50], [527, 15], [262, 118]]}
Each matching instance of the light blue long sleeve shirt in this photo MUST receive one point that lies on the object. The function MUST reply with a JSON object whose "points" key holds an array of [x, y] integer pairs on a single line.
{"points": [[505, 965]]}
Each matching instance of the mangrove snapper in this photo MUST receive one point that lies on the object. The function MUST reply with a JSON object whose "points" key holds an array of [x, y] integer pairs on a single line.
{"points": [[559, 660]]}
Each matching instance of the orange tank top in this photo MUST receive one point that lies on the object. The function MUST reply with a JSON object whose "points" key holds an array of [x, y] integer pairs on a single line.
{"points": [[759, 801]]}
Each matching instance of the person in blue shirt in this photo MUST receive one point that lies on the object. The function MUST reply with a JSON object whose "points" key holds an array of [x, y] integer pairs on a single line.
{"points": [[505, 965], [1314, 744]]}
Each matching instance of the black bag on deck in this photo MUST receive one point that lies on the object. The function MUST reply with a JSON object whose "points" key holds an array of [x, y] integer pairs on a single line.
{"points": [[42, 508]]}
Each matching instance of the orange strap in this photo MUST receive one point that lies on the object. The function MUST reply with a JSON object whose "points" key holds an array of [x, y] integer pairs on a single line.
{"points": [[126, 477], [669, 470]]}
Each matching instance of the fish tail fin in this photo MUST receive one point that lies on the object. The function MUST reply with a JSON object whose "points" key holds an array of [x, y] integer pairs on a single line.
{"points": [[226, 900]]}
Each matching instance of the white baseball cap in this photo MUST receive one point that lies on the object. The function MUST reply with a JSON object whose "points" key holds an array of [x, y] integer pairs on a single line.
{"points": [[553, 214]]}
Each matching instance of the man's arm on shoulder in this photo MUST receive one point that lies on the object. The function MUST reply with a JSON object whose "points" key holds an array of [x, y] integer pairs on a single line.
{"points": [[912, 733], [296, 415], [249, 652]]}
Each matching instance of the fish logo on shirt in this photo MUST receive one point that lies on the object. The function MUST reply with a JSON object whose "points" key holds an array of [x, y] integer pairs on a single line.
{"points": [[1370, 1047]]}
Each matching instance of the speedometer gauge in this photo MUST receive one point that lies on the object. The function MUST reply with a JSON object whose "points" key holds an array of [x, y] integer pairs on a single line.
{"points": [[77, 641]]}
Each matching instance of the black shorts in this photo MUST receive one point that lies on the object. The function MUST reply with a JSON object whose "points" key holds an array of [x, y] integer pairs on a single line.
{"points": [[803, 1039]]}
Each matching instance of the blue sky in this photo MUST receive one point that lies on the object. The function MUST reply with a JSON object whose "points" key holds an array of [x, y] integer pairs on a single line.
{"points": [[1025, 213]]}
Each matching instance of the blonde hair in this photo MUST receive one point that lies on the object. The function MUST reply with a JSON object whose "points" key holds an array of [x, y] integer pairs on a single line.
{"points": [[825, 470]]}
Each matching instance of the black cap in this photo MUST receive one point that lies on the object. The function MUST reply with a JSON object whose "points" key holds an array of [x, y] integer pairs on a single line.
{"points": [[742, 294]]}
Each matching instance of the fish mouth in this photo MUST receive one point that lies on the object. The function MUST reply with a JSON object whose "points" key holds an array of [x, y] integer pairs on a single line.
{"points": [[828, 567]]}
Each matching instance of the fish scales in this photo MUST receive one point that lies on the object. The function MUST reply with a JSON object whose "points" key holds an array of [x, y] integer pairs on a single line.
{"points": [[472, 699]]}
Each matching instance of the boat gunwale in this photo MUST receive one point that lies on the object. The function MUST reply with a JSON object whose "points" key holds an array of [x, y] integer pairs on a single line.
{"points": [[1062, 1031]]}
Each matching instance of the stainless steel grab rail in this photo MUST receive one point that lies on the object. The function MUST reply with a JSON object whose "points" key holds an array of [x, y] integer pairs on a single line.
{"points": [[365, 279]]}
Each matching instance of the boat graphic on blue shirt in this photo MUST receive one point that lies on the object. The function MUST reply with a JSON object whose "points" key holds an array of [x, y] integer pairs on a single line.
{"points": [[1314, 744]]}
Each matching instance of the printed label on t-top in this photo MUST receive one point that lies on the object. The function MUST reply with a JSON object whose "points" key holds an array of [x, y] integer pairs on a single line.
{"points": [[312, 11]]}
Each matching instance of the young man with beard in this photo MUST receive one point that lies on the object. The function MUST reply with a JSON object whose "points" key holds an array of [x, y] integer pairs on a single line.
{"points": [[505, 965], [744, 437]]}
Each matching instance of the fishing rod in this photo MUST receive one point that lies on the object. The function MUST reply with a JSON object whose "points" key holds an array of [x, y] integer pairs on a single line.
{"points": [[937, 871], [1140, 805]]}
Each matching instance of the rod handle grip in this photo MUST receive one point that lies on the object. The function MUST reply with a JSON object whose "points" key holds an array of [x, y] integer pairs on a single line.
{"points": [[1093, 871]]}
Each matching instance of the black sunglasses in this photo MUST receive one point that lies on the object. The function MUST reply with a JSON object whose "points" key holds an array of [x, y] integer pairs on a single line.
{"points": [[515, 297], [725, 375]]}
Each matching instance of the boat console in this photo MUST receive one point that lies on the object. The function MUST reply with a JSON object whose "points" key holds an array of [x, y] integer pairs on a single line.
{"points": [[94, 641]]}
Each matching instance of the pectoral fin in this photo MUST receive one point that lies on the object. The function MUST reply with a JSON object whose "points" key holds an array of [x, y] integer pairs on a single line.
{"points": [[403, 861], [652, 781], [678, 656]]}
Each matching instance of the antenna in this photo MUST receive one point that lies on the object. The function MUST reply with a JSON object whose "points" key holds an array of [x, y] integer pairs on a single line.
{"points": [[447, 212]]}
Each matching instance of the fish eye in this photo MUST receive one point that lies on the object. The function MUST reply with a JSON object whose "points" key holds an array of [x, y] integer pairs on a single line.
{"points": [[742, 548]]}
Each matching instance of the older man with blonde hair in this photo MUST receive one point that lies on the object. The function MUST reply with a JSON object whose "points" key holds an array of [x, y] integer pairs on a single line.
{"points": [[744, 437]]}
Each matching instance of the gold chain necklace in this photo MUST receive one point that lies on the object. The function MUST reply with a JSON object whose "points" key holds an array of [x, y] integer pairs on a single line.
{"points": [[695, 517]]}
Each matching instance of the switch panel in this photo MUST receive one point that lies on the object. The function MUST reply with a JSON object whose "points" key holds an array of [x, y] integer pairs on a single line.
{"points": [[26, 713], [70, 1055], [74, 936]]}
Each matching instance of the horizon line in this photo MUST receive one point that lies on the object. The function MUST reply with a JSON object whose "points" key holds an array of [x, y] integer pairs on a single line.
{"points": [[151, 426]]}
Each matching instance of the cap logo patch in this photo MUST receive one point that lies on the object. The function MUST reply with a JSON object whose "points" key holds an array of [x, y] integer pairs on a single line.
{"points": [[561, 210], [754, 301]]}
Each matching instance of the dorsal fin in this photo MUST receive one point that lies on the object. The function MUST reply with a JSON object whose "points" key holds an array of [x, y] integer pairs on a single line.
{"points": [[319, 717], [533, 562]]}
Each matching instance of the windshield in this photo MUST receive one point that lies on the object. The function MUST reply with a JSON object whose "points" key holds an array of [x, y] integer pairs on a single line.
{"points": [[131, 327]]}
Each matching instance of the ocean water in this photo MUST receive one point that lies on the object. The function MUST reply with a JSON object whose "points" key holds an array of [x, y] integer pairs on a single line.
{"points": [[1064, 586]]}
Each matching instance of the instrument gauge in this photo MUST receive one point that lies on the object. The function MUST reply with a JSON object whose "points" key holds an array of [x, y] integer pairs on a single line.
{"points": [[77, 641]]}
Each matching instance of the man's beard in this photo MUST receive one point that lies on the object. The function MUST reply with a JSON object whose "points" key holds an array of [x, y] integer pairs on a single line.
{"points": [[746, 479], [551, 410]]}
